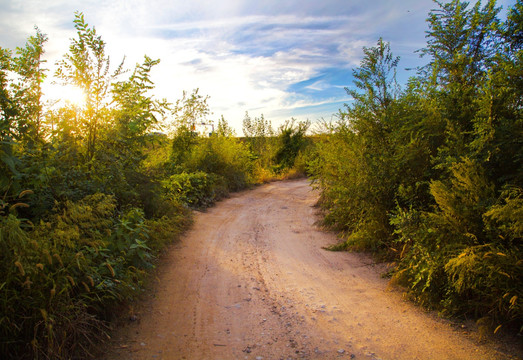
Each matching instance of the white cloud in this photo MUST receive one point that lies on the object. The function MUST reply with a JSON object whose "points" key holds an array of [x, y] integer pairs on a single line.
{"points": [[246, 55], [318, 86]]}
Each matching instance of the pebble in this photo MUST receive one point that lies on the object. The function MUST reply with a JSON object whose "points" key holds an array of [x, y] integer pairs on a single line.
{"points": [[341, 351], [259, 357]]}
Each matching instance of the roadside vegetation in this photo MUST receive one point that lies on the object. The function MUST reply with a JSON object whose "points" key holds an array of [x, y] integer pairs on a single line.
{"points": [[90, 193], [431, 176]]}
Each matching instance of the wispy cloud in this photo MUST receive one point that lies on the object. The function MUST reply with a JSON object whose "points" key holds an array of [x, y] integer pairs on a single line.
{"points": [[280, 58]]}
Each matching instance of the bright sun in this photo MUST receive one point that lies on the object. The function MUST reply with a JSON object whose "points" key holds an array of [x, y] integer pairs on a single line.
{"points": [[67, 94]]}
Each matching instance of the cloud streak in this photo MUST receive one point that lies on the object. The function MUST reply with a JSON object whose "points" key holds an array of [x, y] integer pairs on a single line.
{"points": [[273, 57]]}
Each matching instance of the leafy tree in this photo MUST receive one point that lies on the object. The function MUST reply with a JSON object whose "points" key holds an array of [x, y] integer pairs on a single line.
{"points": [[258, 134], [359, 188], [257, 127], [21, 112], [292, 141], [376, 77], [461, 43], [223, 128], [226, 157], [449, 249], [28, 89], [191, 110], [75, 237], [136, 112], [434, 173], [8, 111], [188, 111], [87, 67]]}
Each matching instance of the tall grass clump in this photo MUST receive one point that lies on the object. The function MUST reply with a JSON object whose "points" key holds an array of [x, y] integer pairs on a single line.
{"points": [[63, 275]]}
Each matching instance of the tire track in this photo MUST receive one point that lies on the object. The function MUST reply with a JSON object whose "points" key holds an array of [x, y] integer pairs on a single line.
{"points": [[251, 281]]}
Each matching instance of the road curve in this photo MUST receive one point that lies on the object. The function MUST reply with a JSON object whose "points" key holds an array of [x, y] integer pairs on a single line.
{"points": [[251, 281]]}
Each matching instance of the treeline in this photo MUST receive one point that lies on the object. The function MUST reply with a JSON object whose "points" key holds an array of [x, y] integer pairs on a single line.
{"points": [[431, 176], [90, 193]]}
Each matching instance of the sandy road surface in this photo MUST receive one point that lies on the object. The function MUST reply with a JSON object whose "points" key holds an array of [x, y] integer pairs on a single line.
{"points": [[250, 281]]}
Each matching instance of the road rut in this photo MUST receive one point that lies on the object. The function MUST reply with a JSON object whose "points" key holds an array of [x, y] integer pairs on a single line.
{"points": [[251, 281]]}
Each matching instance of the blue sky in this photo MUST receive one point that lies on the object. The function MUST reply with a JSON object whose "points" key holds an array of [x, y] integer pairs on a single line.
{"points": [[282, 58]]}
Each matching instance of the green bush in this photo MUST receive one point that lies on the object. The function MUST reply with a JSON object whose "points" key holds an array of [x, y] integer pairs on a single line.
{"points": [[62, 277], [432, 175], [356, 190], [225, 157], [197, 190], [465, 257], [291, 141]]}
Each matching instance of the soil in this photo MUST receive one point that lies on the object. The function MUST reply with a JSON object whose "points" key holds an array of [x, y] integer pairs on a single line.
{"points": [[252, 281]]}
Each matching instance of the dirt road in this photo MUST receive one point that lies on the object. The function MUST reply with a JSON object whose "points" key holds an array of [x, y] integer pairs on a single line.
{"points": [[251, 281]]}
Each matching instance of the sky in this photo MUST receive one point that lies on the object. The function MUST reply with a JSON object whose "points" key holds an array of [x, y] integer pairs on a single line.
{"points": [[279, 58]]}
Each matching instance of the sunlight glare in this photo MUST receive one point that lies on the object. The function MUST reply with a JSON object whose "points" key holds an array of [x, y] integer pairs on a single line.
{"points": [[66, 94]]}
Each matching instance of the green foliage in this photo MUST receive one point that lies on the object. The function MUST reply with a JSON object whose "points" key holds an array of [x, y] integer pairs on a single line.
{"points": [[183, 142], [462, 202], [87, 66], [79, 226], [486, 279], [259, 136], [137, 112], [292, 140], [223, 129], [28, 88], [197, 189], [53, 274], [433, 175], [258, 128], [163, 230], [505, 216], [477, 260], [274, 154], [358, 188], [227, 160], [225, 157], [20, 108], [191, 110], [63, 275]]}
